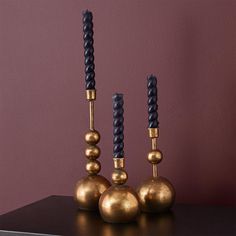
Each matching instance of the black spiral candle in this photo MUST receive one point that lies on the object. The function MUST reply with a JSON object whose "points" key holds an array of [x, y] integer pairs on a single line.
{"points": [[118, 126], [152, 102], [88, 50]]}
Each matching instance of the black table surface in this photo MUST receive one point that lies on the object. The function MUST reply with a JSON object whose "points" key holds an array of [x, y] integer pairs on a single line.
{"points": [[58, 215]]}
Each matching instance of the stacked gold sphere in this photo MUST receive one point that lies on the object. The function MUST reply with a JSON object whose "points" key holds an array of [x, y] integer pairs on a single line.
{"points": [[92, 152], [89, 189]]}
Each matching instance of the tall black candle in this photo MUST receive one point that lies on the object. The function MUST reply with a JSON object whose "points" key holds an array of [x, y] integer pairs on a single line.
{"points": [[118, 125], [152, 102], [88, 50]]}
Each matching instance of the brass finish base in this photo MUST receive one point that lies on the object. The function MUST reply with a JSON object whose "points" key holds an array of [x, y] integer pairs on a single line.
{"points": [[156, 195], [119, 204], [88, 191]]}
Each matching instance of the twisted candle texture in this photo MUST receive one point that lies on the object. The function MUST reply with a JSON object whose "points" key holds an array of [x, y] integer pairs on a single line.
{"points": [[88, 50], [152, 102], [118, 126]]}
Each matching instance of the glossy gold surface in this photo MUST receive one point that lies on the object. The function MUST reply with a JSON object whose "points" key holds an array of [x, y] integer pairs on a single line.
{"points": [[154, 170], [92, 152], [155, 156], [88, 191], [90, 94], [93, 167], [91, 115], [153, 132], [119, 204], [119, 163], [154, 143], [156, 195], [92, 137], [119, 176]]}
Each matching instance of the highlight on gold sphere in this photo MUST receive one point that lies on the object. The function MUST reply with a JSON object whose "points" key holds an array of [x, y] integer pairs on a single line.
{"points": [[88, 191], [92, 152], [93, 167], [92, 137], [155, 156], [119, 204], [156, 195], [119, 176]]}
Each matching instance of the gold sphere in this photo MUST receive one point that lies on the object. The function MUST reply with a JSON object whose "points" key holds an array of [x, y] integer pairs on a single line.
{"points": [[92, 152], [119, 204], [119, 176], [92, 137], [93, 167], [88, 191], [156, 195], [155, 156]]}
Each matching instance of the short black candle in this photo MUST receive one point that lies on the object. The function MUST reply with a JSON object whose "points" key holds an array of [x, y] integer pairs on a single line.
{"points": [[118, 125], [88, 50], [152, 102]]}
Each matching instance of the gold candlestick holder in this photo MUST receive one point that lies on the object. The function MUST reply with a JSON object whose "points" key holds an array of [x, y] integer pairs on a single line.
{"points": [[156, 194], [119, 203], [89, 189]]}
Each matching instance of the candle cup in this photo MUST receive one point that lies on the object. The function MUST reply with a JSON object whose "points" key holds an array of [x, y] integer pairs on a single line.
{"points": [[119, 203], [89, 189], [156, 194]]}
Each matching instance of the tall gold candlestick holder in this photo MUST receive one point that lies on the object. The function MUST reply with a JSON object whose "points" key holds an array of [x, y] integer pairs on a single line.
{"points": [[119, 203], [89, 189], [156, 194]]}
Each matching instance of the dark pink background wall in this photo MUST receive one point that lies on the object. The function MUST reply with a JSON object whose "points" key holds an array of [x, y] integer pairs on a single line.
{"points": [[191, 47]]}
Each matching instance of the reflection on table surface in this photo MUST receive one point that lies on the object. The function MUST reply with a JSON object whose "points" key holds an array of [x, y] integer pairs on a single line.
{"points": [[90, 223], [58, 215]]}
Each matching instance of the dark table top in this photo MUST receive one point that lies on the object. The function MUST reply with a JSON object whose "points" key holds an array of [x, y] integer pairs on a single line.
{"points": [[58, 215]]}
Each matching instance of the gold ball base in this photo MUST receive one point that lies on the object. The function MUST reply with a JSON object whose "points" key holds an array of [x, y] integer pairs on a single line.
{"points": [[156, 195], [88, 191], [119, 204]]}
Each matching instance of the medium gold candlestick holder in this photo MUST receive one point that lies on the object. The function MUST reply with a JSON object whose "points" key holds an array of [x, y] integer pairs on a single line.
{"points": [[119, 203], [89, 189], [156, 194]]}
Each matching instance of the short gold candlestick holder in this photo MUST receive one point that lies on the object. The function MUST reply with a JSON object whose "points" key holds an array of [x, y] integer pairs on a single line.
{"points": [[119, 203], [89, 189], [156, 194]]}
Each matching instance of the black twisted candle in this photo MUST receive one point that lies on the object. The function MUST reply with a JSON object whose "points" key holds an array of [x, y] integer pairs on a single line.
{"points": [[152, 102], [118, 126], [88, 50]]}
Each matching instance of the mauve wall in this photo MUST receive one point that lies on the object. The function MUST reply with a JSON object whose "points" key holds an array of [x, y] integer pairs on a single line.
{"points": [[190, 45]]}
